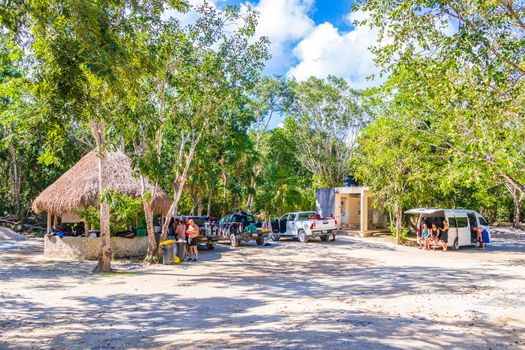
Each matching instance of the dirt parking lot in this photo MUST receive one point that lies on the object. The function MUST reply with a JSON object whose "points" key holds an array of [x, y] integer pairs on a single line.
{"points": [[352, 293]]}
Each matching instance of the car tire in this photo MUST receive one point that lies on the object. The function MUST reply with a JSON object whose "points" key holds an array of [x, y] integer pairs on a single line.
{"points": [[455, 246], [259, 240], [324, 238], [210, 246], [303, 237], [234, 240], [275, 237]]}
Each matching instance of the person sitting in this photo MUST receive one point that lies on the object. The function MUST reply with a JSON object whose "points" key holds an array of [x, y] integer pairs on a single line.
{"points": [[422, 236], [433, 237], [58, 231], [80, 229]]}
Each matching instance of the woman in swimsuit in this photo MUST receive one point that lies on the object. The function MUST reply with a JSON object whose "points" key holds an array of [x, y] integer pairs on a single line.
{"points": [[422, 236]]}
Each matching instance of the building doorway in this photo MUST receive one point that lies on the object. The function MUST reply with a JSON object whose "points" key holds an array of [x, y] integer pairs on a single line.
{"points": [[344, 211]]}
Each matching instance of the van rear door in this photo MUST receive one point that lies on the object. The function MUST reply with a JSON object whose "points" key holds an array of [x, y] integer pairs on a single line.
{"points": [[463, 228], [452, 230]]}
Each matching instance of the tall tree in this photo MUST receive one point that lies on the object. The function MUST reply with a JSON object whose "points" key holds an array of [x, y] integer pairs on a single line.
{"points": [[215, 68], [457, 66], [269, 98], [83, 50], [328, 116]]}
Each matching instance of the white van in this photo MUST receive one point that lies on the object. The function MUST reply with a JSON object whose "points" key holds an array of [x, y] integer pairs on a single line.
{"points": [[461, 223]]}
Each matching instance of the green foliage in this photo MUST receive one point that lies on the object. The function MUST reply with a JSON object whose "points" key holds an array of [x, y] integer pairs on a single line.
{"points": [[152, 259], [403, 235], [284, 185], [327, 116], [455, 77], [123, 209], [91, 215]]}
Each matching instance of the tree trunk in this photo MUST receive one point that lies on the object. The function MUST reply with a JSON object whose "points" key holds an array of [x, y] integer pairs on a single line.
{"points": [[180, 182], [104, 252], [16, 180], [173, 211], [517, 193], [199, 207], [251, 196], [398, 219], [517, 198], [152, 241], [208, 211]]}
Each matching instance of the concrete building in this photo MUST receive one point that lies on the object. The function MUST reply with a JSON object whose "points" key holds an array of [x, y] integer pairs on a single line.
{"points": [[352, 208]]}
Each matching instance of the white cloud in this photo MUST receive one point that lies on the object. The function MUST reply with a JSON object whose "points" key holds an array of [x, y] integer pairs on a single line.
{"points": [[191, 16], [284, 22], [326, 51], [315, 50]]}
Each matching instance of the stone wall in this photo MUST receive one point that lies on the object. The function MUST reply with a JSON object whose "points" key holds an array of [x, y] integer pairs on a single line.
{"points": [[86, 248]]}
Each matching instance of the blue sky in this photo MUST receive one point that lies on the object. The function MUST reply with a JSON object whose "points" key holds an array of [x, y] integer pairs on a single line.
{"points": [[314, 38], [332, 11]]}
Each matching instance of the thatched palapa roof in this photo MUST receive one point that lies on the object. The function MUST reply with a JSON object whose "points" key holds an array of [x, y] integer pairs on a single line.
{"points": [[78, 188]]}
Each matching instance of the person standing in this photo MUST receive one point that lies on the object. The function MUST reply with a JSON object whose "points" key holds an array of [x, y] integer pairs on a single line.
{"points": [[443, 238], [483, 237], [193, 233], [180, 230], [171, 227]]}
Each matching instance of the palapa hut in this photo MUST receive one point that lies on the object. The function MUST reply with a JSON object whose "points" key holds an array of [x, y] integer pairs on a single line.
{"points": [[78, 188]]}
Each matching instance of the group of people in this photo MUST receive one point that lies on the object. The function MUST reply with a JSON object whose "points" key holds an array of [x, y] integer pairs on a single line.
{"points": [[438, 236], [433, 237], [188, 231], [63, 230]]}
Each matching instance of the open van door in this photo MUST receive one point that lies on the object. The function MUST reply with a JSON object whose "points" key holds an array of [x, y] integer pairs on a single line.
{"points": [[463, 230]]}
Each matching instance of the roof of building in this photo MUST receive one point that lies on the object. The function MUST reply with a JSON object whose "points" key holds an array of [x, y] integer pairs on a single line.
{"points": [[78, 188]]}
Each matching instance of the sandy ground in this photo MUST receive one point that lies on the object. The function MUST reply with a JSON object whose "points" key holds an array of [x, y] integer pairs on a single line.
{"points": [[352, 293]]}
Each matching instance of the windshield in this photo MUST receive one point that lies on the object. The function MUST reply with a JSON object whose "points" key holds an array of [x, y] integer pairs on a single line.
{"points": [[482, 221]]}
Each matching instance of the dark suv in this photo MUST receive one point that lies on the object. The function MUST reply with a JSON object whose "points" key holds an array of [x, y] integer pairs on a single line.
{"points": [[240, 226], [208, 230]]}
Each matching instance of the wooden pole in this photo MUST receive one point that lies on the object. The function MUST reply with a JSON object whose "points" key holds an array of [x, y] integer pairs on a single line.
{"points": [[48, 222], [55, 220], [364, 212], [86, 228]]}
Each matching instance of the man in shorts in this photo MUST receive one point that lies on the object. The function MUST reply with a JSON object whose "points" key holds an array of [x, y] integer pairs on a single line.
{"points": [[193, 234]]}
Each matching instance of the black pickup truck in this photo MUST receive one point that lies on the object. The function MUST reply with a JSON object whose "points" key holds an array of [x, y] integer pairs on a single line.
{"points": [[240, 226]]}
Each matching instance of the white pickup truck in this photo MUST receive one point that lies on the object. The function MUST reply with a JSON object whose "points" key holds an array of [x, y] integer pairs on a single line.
{"points": [[303, 225]]}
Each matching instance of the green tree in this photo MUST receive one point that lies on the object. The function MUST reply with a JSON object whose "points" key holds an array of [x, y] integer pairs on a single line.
{"points": [[215, 69], [328, 116], [82, 51], [284, 184], [399, 171], [456, 67], [270, 98]]}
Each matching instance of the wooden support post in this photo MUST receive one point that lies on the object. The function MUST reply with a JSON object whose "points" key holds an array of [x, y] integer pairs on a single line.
{"points": [[55, 220], [364, 212], [48, 222], [86, 228]]}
